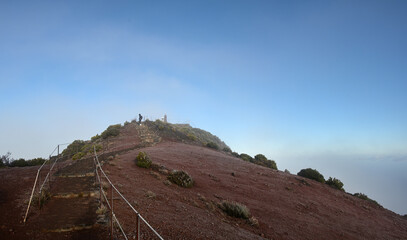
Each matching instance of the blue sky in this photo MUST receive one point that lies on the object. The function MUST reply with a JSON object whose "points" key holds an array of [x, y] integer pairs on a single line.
{"points": [[318, 84]]}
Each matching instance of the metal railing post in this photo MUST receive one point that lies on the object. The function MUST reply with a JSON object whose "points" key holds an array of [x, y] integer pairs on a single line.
{"points": [[138, 227], [111, 213], [139, 218], [39, 193]]}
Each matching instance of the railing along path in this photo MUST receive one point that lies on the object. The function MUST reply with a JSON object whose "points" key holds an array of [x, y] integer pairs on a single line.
{"points": [[110, 205], [47, 178]]}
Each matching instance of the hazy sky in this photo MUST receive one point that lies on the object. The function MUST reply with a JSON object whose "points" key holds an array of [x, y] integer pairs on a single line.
{"points": [[319, 84]]}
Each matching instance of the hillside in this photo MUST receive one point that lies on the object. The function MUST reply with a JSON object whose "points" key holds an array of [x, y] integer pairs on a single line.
{"points": [[282, 205]]}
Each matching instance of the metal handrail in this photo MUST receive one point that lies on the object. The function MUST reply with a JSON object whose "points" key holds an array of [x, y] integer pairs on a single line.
{"points": [[98, 165], [36, 179], [108, 204]]}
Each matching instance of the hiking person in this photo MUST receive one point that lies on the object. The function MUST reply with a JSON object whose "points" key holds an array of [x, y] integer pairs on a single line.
{"points": [[139, 118]]}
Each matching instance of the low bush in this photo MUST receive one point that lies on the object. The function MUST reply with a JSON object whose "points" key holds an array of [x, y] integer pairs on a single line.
{"points": [[96, 137], [260, 159], [142, 160], [227, 149], [246, 157], [111, 131], [235, 209], [311, 174], [24, 163], [73, 148], [192, 137], [41, 198], [212, 145], [98, 147], [335, 183], [365, 197], [235, 154], [181, 178], [78, 155], [18, 163]]}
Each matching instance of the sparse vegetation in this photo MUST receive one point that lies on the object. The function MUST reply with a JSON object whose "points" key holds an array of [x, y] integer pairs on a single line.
{"points": [[41, 198], [150, 194], [365, 197], [111, 131], [143, 160], [73, 148], [96, 137], [227, 149], [235, 154], [101, 210], [24, 163], [79, 148], [235, 209], [246, 157], [7, 161], [259, 159], [253, 221], [184, 133], [335, 183], [78, 155], [181, 178], [311, 174], [212, 145]]}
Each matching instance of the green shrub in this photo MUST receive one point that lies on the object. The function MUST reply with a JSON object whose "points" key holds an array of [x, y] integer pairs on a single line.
{"points": [[246, 157], [183, 132], [227, 149], [235, 154], [24, 163], [192, 137], [142, 160], [18, 163], [212, 145], [235, 209], [73, 148], [181, 178], [335, 183], [96, 137], [311, 174], [111, 131], [365, 197], [98, 147], [260, 159], [78, 155]]}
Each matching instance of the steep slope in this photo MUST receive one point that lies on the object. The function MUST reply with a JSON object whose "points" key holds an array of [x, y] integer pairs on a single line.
{"points": [[286, 206], [70, 213]]}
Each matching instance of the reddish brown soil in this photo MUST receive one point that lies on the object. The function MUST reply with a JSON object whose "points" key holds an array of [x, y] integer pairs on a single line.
{"points": [[286, 206], [57, 213]]}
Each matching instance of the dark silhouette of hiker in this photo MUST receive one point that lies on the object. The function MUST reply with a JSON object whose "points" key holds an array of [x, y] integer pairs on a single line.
{"points": [[139, 118]]}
